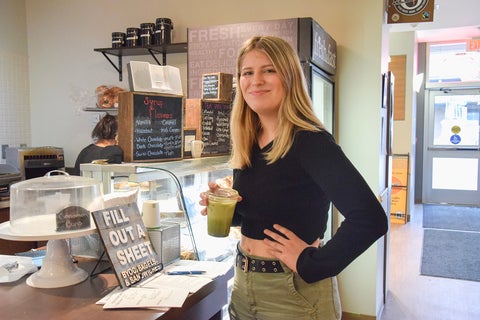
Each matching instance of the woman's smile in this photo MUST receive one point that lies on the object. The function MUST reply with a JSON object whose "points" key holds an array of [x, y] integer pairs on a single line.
{"points": [[260, 83]]}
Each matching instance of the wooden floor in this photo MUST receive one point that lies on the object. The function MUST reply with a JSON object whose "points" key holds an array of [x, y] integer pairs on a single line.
{"points": [[412, 296]]}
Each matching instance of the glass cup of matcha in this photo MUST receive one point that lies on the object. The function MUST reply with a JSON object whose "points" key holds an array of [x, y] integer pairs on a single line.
{"points": [[220, 209]]}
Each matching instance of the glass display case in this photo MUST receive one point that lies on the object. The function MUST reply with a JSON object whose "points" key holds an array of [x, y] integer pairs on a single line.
{"points": [[176, 185]]}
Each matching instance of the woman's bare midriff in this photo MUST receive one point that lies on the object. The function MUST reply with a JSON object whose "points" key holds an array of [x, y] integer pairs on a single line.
{"points": [[254, 247]]}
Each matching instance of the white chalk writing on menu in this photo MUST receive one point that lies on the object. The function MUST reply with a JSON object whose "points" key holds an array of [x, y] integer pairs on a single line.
{"points": [[157, 130], [216, 127]]}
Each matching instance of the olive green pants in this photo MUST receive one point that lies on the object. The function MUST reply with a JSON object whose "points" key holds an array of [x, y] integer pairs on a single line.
{"points": [[282, 296]]}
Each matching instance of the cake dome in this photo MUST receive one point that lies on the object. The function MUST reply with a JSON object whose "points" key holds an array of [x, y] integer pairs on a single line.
{"points": [[54, 203]]}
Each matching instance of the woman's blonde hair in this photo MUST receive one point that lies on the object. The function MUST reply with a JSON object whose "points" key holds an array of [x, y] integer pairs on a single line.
{"points": [[295, 113]]}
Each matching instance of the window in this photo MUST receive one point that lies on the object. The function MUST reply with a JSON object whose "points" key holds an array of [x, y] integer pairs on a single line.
{"points": [[453, 64]]}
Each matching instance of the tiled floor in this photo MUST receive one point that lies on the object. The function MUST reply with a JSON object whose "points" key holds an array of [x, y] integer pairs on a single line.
{"points": [[412, 296]]}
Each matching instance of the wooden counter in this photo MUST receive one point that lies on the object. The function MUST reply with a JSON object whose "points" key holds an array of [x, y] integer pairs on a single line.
{"points": [[20, 301]]}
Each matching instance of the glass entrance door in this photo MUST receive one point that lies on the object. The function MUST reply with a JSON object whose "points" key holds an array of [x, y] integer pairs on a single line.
{"points": [[452, 147]]}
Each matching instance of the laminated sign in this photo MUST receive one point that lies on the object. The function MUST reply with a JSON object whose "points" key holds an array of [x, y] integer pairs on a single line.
{"points": [[127, 244]]}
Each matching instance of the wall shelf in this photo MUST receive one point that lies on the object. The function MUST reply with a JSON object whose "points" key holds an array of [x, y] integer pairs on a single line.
{"points": [[107, 110], [153, 50]]}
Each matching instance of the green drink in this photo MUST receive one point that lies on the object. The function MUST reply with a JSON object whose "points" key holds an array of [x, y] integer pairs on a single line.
{"points": [[220, 209]]}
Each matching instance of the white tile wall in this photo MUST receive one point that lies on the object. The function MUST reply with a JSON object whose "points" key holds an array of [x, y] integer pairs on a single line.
{"points": [[14, 100]]}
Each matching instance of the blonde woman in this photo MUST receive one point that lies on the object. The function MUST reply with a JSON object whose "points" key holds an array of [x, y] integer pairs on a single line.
{"points": [[287, 170]]}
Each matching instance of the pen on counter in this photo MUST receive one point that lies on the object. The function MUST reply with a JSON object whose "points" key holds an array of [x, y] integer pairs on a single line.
{"points": [[178, 273]]}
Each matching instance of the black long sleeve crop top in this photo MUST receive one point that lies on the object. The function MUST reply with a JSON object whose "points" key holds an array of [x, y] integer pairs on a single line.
{"points": [[296, 192]]}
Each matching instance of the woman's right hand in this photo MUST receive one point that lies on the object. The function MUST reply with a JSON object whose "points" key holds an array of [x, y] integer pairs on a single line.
{"points": [[212, 186]]}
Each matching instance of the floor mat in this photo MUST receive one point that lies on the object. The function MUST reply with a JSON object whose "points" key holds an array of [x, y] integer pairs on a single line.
{"points": [[451, 254], [451, 217]]}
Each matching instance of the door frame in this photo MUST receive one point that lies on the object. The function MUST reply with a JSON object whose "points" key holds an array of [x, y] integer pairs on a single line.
{"points": [[436, 153]]}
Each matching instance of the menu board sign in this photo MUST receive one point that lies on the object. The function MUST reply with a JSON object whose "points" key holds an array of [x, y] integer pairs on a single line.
{"points": [[127, 244], [216, 127], [210, 86], [150, 126]]}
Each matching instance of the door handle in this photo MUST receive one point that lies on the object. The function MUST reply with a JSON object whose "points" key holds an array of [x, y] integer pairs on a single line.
{"points": [[453, 149]]}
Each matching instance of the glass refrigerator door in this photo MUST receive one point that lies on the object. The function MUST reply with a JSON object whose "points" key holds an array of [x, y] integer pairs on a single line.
{"points": [[322, 91], [322, 97]]}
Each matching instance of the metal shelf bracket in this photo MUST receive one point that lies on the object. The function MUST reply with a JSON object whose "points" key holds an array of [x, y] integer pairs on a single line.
{"points": [[119, 68]]}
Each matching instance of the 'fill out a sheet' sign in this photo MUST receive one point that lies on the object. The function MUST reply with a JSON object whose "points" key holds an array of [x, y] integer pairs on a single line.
{"points": [[127, 244]]}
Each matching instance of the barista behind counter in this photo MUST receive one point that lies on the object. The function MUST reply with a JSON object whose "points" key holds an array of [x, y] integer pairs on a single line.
{"points": [[105, 146]]}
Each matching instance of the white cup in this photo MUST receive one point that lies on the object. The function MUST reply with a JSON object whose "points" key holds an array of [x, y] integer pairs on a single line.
{"points": [[151, 213], [196, 146]]}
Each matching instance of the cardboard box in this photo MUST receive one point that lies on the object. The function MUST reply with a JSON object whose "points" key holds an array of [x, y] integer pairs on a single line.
{"points": [[217, 86], [400, 171], [398, 205]]}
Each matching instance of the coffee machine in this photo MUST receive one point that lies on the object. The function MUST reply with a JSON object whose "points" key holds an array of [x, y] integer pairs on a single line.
{"points": [[33, 162]]}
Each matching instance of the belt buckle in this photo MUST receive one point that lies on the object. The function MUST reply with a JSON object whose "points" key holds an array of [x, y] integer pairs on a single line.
{"points": [[245, 266]]}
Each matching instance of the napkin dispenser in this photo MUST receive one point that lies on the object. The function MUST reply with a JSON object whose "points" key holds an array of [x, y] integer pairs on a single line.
{"points": [[165, 240]]}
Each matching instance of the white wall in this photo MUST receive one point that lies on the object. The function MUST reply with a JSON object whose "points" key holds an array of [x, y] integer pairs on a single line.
{"points": [[404, 138], [403, 43], [64, 72]]}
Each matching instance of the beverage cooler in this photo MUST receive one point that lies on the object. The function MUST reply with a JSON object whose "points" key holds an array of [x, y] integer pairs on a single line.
{"points": [[318, 54]]}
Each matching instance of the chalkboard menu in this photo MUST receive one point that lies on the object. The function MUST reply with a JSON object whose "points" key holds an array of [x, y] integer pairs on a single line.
{"points": [[150, 126], [217, 86], [210, 85], [216, 127]]}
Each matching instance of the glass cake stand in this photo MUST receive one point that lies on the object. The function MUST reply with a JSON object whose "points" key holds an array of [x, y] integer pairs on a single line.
{"points": [[58, 269]]}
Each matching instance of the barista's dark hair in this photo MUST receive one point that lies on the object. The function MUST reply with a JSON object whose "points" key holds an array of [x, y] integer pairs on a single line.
{"points": [[106, 128]]}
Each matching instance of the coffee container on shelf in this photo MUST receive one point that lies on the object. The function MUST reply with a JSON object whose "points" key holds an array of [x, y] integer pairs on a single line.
{"points": [[132, 39], [118, 39], [163, 31], [147, 31]]}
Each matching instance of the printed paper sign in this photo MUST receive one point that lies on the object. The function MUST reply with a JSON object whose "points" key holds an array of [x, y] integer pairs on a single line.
{"points": [[127, 243]]}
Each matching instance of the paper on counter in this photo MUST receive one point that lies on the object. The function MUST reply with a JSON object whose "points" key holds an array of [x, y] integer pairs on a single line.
{"points": [[25, 266], [162, 291], [109, 295], [147, 298], [187, 282]]}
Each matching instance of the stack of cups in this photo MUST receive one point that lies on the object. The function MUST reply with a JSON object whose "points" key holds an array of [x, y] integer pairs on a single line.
{"points": [[196, 147], [151, 213]]}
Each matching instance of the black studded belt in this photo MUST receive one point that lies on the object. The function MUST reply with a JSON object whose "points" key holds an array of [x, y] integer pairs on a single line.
{"points": [[248, 264]]}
